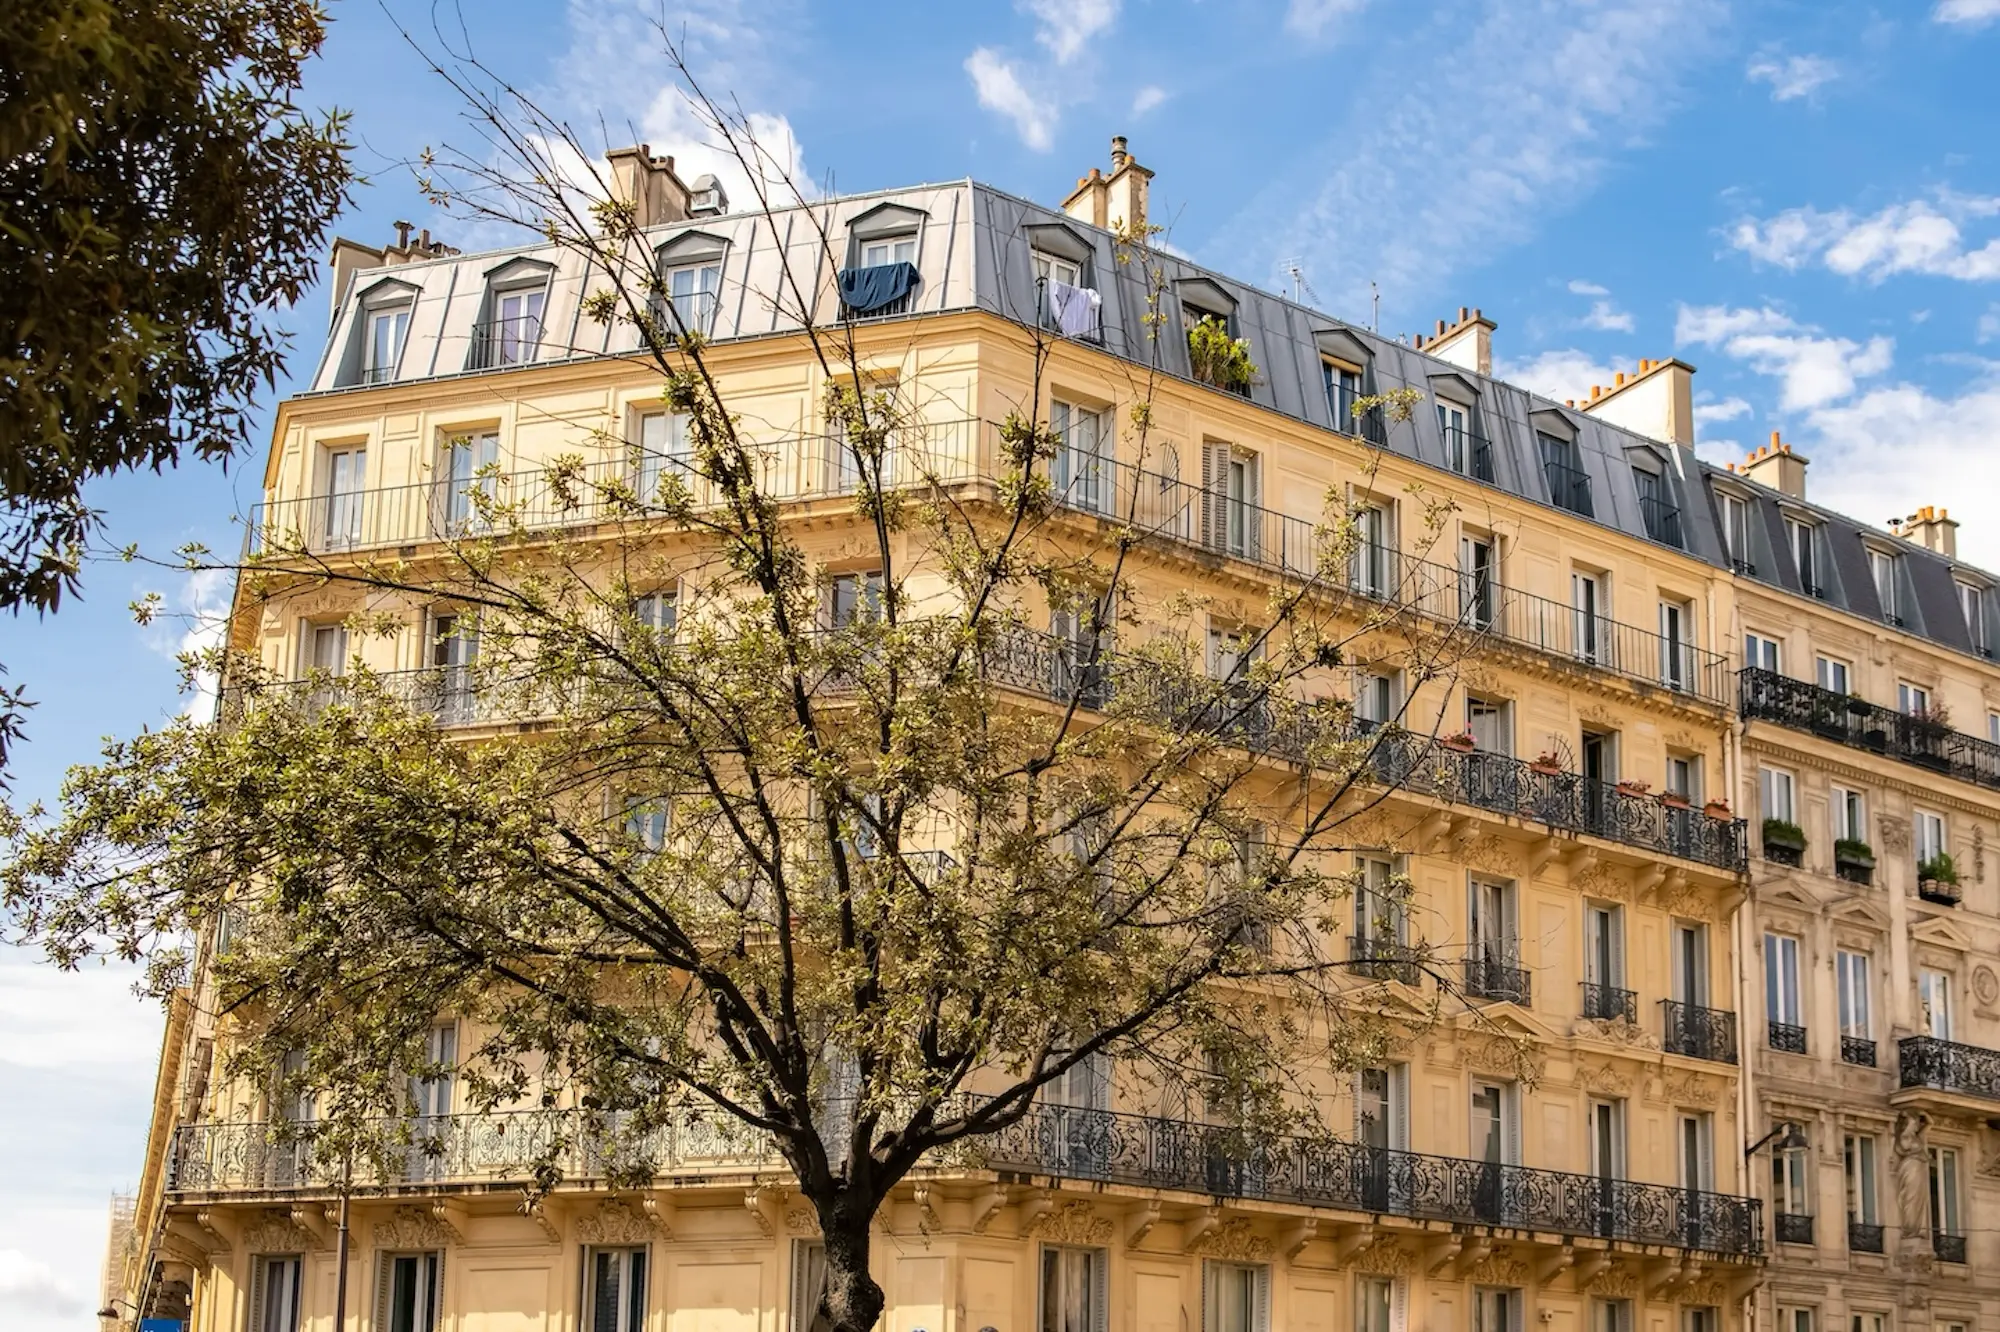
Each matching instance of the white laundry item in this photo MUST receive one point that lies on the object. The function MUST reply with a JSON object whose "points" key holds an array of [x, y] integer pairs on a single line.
{"points": [[1076, 309]]}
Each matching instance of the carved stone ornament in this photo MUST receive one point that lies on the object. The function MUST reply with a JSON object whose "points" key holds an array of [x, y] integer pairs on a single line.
{"points": [[1709, 1292], [1492, 855], [1687, 902], [1499, 1272], [1978, 854], [1615, 1283], [802, 1221], [1234, 1241], [1072, 1223], [1603, 1079], [1617, 1031], [1689, 1089], [614, 1222], [1600, 882], [275, 1232], [1497, 1054], [1985, 985], [1387, 1260], [1895, 833], [412, 1228]]}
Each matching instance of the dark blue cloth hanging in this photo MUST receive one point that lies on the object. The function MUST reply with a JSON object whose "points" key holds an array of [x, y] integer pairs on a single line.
{"points": [[866, 289]]}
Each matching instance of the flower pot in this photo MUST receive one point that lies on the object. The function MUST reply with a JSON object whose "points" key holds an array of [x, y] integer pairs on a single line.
{"points": [[1672, 801], [1634, 788], [1459, 744]]}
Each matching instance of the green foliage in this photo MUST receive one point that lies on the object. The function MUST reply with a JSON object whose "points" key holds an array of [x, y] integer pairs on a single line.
{"points": [[1940, 868], [1853, 850], [1218, 359], [162, 195], [1783, 832]]}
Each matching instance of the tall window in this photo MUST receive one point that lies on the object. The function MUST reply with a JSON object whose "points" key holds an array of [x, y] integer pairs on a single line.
{"points": [[1343, 389], [1944, 1192], [517, 326], [1379, 1119], [1073, 1290], [1677, 645], [467, 466], [658, 613], [1804, 540], [1795, 1320], [1452, 426], [326, 649], [1690, 963], [1478, 581], [1684, 776], [1380, 924], [1662, 518], [1491, 724], [1781, 981], [1230, 512], [1237, 1297], [1496, 1309], [615, 1294], [1851, 972], [646, 821], [809, 1287], [1858, 1166], [1604, 944], [274, 1293], [693, 291], [853, 597], [1701, 1319], [1849, 811], [1912, 700], [1077, 471], [1929, 835], [1607, 1140], [1375, 700], [1791, 1178], [1775, 794], [1882, 568], [1697, 1151], [407, 1292], [1374, 1303], [1569, 486], [1373, 574], [1591, 633], [1831, 674], [1972, 602], [663, 452], [1763, 653], [1492, 931], [1934, 1000], [1611, 1316], [346, 477], [1735, 516], [387, 329]]}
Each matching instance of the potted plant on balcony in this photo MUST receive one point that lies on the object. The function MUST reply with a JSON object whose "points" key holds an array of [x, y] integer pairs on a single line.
{"points": [[1548, 763], [1675, 800], [1461, 742], [1717, 809], [1784, 841], [1937, 878], [1633, 787], [1857, 705], [1216, 358], [1854, 854]]}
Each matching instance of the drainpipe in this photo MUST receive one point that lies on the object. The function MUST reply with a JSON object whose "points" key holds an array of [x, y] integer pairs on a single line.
{"points": [[340, 1249]]}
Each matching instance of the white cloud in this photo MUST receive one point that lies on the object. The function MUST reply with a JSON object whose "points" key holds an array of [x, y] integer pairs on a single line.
{"points": [[29, 1286], [1606, 317], [1729, 409], [1583, 288], [1973, 13], [1812, 368], [1559, 375], [1000, 89], [1989, 324], [1913, 237], [1312, 18], [1066, 26], [1147, 98], [1406, 187], [1793, 77]]}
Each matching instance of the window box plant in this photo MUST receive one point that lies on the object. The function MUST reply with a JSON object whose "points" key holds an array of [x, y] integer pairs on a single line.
{"points": [[1853, 851], [1216, 358], [1784, 841], [1547, 763], [1937, 879], [1461, 742], [1674, 800], [1717, 809], [1633, 787]]}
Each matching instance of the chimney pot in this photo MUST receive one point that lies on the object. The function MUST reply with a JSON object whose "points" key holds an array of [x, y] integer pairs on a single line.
{"points": [[1461, 314], [403, 235], [1440, 328], [1620, 381], [1476, 314]]}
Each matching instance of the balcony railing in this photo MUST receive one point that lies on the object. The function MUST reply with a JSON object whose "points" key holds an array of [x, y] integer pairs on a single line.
{"points": [[1948, 1248], [1469, 454], [1384, 959], [1858, 1050], [1700, 1033], [1497, 979], [499, 342], [1663, 521], [1864, 1236], [1098, 1146], [1844, 719], [1792, 1228], [1609, 1003], [1569, 488], [1786, 1038], [1947, 1066]]}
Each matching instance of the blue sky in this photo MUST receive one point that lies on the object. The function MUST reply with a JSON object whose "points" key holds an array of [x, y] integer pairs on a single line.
{"points": [[1798, 198]]}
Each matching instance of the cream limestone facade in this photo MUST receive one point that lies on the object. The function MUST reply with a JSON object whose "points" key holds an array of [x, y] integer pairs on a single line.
{"points": [[1568, 848]]}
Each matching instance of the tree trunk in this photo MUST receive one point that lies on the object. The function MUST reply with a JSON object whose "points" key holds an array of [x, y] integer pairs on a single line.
{"points": [[853, 1302]]}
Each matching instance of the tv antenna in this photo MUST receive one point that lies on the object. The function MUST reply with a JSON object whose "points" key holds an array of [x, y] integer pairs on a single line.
{"points": [[1375, 307], [1295, 269]]}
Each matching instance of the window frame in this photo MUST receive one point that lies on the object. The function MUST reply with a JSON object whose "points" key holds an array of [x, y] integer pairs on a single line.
{"points": [[1784, 998], [1827, 668], [630, 1315], [427, 1309], [1854, 984], [1771, 782], [1764, 654], [699, 268], [1096, 1262], [1860, 1168]]}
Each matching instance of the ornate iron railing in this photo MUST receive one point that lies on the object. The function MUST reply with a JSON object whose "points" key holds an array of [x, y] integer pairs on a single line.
{"points": [[1857, 1050], [1059, 1141], [1848, 720], [1968, 1070], [1864, 1236], [1492, 978], [1700, 1033], [1608, 1003], [1792, 1228], [1787, 1038], [1151, 1152], [1948, 1248]]}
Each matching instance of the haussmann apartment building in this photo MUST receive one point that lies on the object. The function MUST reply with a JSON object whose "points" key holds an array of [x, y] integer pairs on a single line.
{"points": [[1752, 1088]]}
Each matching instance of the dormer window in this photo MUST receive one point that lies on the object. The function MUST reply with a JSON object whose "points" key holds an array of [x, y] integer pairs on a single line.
{"points": [[1734, 512], [388, 327], [1657, 509], [1065, 300], [1343, 390], [510, 333], [1972, 601], [901, 250], [1882, 568], [1569, 484], [1802, 537], [881, 277], [693, 291]]}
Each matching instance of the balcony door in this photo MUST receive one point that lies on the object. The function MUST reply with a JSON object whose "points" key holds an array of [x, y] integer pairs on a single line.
{"points": [[465, 458], [1695, 1133], [429, 1101], [1690, 964], [1495, 1145], [1373, 574], [1080, 1103], [1491, 933], [1590, 637], [1934, 997], [1077, 470], [1603, 960], [1607, 1162], [346, 479], [1598, 755], [1381, 1126], [1478, 579], [453, 652]]}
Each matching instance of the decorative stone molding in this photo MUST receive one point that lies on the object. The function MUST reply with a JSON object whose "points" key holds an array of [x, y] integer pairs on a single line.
{"points": [[1614, 1283], [1690, 1089], [1498, 1054], [1139, 1222], [1617, 1031], [276, 1232], [1710, 1291], [803, 1221], [1985, 985], [1895, 833], [1235, 1241], [984, 1208], [1603, 1079], [1386, 1260], [545, 1220], [413, 1228], [615, 1223], [1072, 1223], [1600, 882], [1499, 1271]]}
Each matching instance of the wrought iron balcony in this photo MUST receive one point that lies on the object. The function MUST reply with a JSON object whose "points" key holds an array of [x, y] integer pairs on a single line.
{"points": [[1469, 454], [1569, 487], [1663, 521], [1384, 959], [1857, 1050], [1700, 1033], [499, 342], [1845, 719], [1608, 1003], [1947, 1066], [1498, 979], [1863, 1236], [1786, 1038], [1792, 1228], [1948, 1248], [1159, 1153]]}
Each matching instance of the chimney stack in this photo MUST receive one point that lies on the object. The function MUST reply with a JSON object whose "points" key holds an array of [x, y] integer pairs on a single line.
{"points": [[1933, 529], [1467, 342], [656, 193], [1657, 401], [1776, 466], [1116, 202]]}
